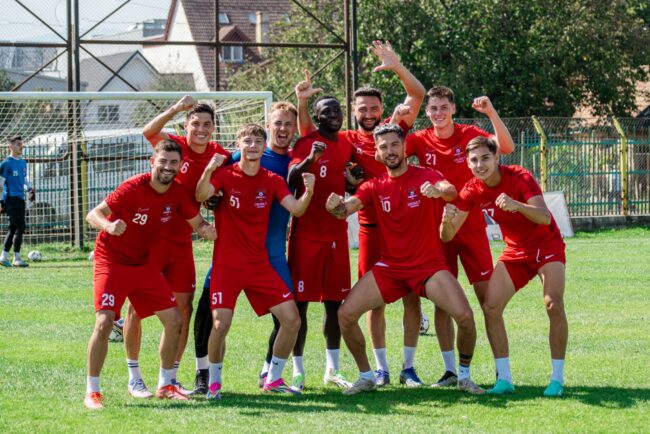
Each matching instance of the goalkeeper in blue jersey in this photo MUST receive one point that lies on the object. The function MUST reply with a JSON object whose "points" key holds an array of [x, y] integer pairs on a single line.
{"points": [[14, 171]]}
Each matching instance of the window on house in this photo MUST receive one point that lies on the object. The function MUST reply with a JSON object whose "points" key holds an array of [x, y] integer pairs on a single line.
{"points": [[223, 18], [230, 54], [252, 18], [108, 113]]}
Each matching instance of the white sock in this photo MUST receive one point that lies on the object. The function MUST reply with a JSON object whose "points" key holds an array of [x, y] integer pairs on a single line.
{"points": [[409, 357], [215, 372], [16, 256], [175, 369], [266, 367], [463, 372], [368, 375], [277, 366], [503, 369], [202, 363], [92, 384], [557, 374], [165, 377], [381, 359], [5, 255], [449, 357], [298, 367], [134, 370], [332, 360]]}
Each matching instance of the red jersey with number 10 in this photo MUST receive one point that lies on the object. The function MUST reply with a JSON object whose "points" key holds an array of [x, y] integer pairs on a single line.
{"points": [[317, 224], [192, 168], [243, 217], [146, 213], [408, 221]]}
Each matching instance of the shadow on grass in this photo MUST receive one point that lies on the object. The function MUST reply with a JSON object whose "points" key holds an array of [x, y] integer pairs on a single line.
{"points": [[398, 400]]}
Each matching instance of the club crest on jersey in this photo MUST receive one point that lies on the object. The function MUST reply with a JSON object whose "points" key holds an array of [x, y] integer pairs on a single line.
{"points": [[412, 199], [359, 150], [261, 199], [166, 213], [459, 157]]}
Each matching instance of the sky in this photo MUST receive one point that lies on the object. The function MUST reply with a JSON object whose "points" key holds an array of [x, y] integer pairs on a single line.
{"points": [[17, 25]]}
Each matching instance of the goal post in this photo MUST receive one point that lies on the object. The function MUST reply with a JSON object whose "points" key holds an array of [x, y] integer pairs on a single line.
{"points": [[80, 145]]}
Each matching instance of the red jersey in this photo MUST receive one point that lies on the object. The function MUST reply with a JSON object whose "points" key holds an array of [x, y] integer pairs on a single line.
{"points": [[408, 236], [146, 213], [363, 153], [519, 233], [448, 157], [243, 216], [192, 168], [317, 224]]}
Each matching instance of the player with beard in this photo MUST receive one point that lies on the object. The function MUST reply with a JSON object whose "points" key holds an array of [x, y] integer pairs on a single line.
{"points": [[534, 246], [173, 254], [368, 112], [406, 202], [241, 260], [129, 221], [318, 243], [442, 147]]}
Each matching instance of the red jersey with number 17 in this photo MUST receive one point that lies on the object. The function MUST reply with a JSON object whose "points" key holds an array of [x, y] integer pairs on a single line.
{"points": [[192, 168], [146, 213], [243, 217], [408, 221], [519, 233], [317, 224], [448, 157]]}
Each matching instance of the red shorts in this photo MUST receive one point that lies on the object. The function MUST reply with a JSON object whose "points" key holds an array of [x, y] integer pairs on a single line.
{"points": [[263, 287], [320, 270], [523, 265], [473, 249], [145, 287], [369, 248], [394, 283], [176, 262]]}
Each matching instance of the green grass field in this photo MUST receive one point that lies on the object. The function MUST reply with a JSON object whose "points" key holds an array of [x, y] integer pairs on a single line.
{"points": [[46, 317]]}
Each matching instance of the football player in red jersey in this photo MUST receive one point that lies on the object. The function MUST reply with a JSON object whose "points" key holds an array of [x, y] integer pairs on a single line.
{"points": [[241, 260], [411, 259], [534, 246], [129, 221], [368, 112], [442, 147], [173, 255]]}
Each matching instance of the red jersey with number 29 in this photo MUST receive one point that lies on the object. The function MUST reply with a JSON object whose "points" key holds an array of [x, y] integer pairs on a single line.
{"points": [[146, 213], [317, 224], [408, 221], [192, 168], [243, 216], [519, 233]]}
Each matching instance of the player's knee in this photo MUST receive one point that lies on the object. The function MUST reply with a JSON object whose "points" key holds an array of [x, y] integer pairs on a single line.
{"points": [[291, 322], [221, 325], [103, 326], [345, 317], [173, 322], [554, 305], [186, 312], [465, 319]]}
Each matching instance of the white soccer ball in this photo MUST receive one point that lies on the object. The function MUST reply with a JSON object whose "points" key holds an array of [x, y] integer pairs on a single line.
{"points": [[35, 256], [424, 323], [116, 333], [91, 255]]}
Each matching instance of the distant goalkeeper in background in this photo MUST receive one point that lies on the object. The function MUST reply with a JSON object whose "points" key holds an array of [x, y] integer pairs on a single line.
{"points": [[14, 171]]}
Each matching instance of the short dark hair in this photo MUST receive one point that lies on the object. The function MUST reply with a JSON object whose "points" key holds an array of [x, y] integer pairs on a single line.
{"points": [[167, 146], [321, 98], [477, 142], [251, 130], [367, 91], [440, 92], [202, 108], [15, 139], [387, 129]]}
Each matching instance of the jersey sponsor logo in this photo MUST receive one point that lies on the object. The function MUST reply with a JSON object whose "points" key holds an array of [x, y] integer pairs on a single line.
{"points": [[345, 289], [261, 200], [412, 199], [166, 213], [548, 256], [483, 273], [143, 209], [286, 295], [358, 148]]}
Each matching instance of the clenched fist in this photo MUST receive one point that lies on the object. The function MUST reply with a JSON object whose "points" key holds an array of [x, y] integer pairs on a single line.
{"points": [[506, 203], [184, 104], [317, 151], [482, 104], [216, 161], [449, 212], [308, 179], [429, 190], [115, 228]]}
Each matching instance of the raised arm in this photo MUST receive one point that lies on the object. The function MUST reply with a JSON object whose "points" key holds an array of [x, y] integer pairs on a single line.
{"points": [[204, 189], [153, 130], [296, 171], [535, 210], [505, 144], [297, 207], [415, 92], [304, 90], [443, 189], [452, 220], [341, 208], [98, 219], [204, 229]]}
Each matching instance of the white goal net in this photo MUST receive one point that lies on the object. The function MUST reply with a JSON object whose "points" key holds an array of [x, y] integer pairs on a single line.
{"points": [[80, 146]]}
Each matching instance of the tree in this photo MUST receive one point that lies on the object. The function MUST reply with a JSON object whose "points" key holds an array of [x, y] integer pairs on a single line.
{"points": [[5, 106], [546, 58]]}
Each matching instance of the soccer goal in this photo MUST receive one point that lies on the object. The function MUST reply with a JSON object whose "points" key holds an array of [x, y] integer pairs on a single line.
{"points": [[80, 146]]}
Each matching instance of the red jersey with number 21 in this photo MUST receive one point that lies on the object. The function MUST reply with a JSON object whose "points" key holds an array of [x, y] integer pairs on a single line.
{"points": [[408, 221]]}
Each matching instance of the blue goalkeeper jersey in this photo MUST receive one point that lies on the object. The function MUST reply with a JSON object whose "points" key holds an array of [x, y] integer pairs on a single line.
{"points": [[276, 235], [14, 171]]}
